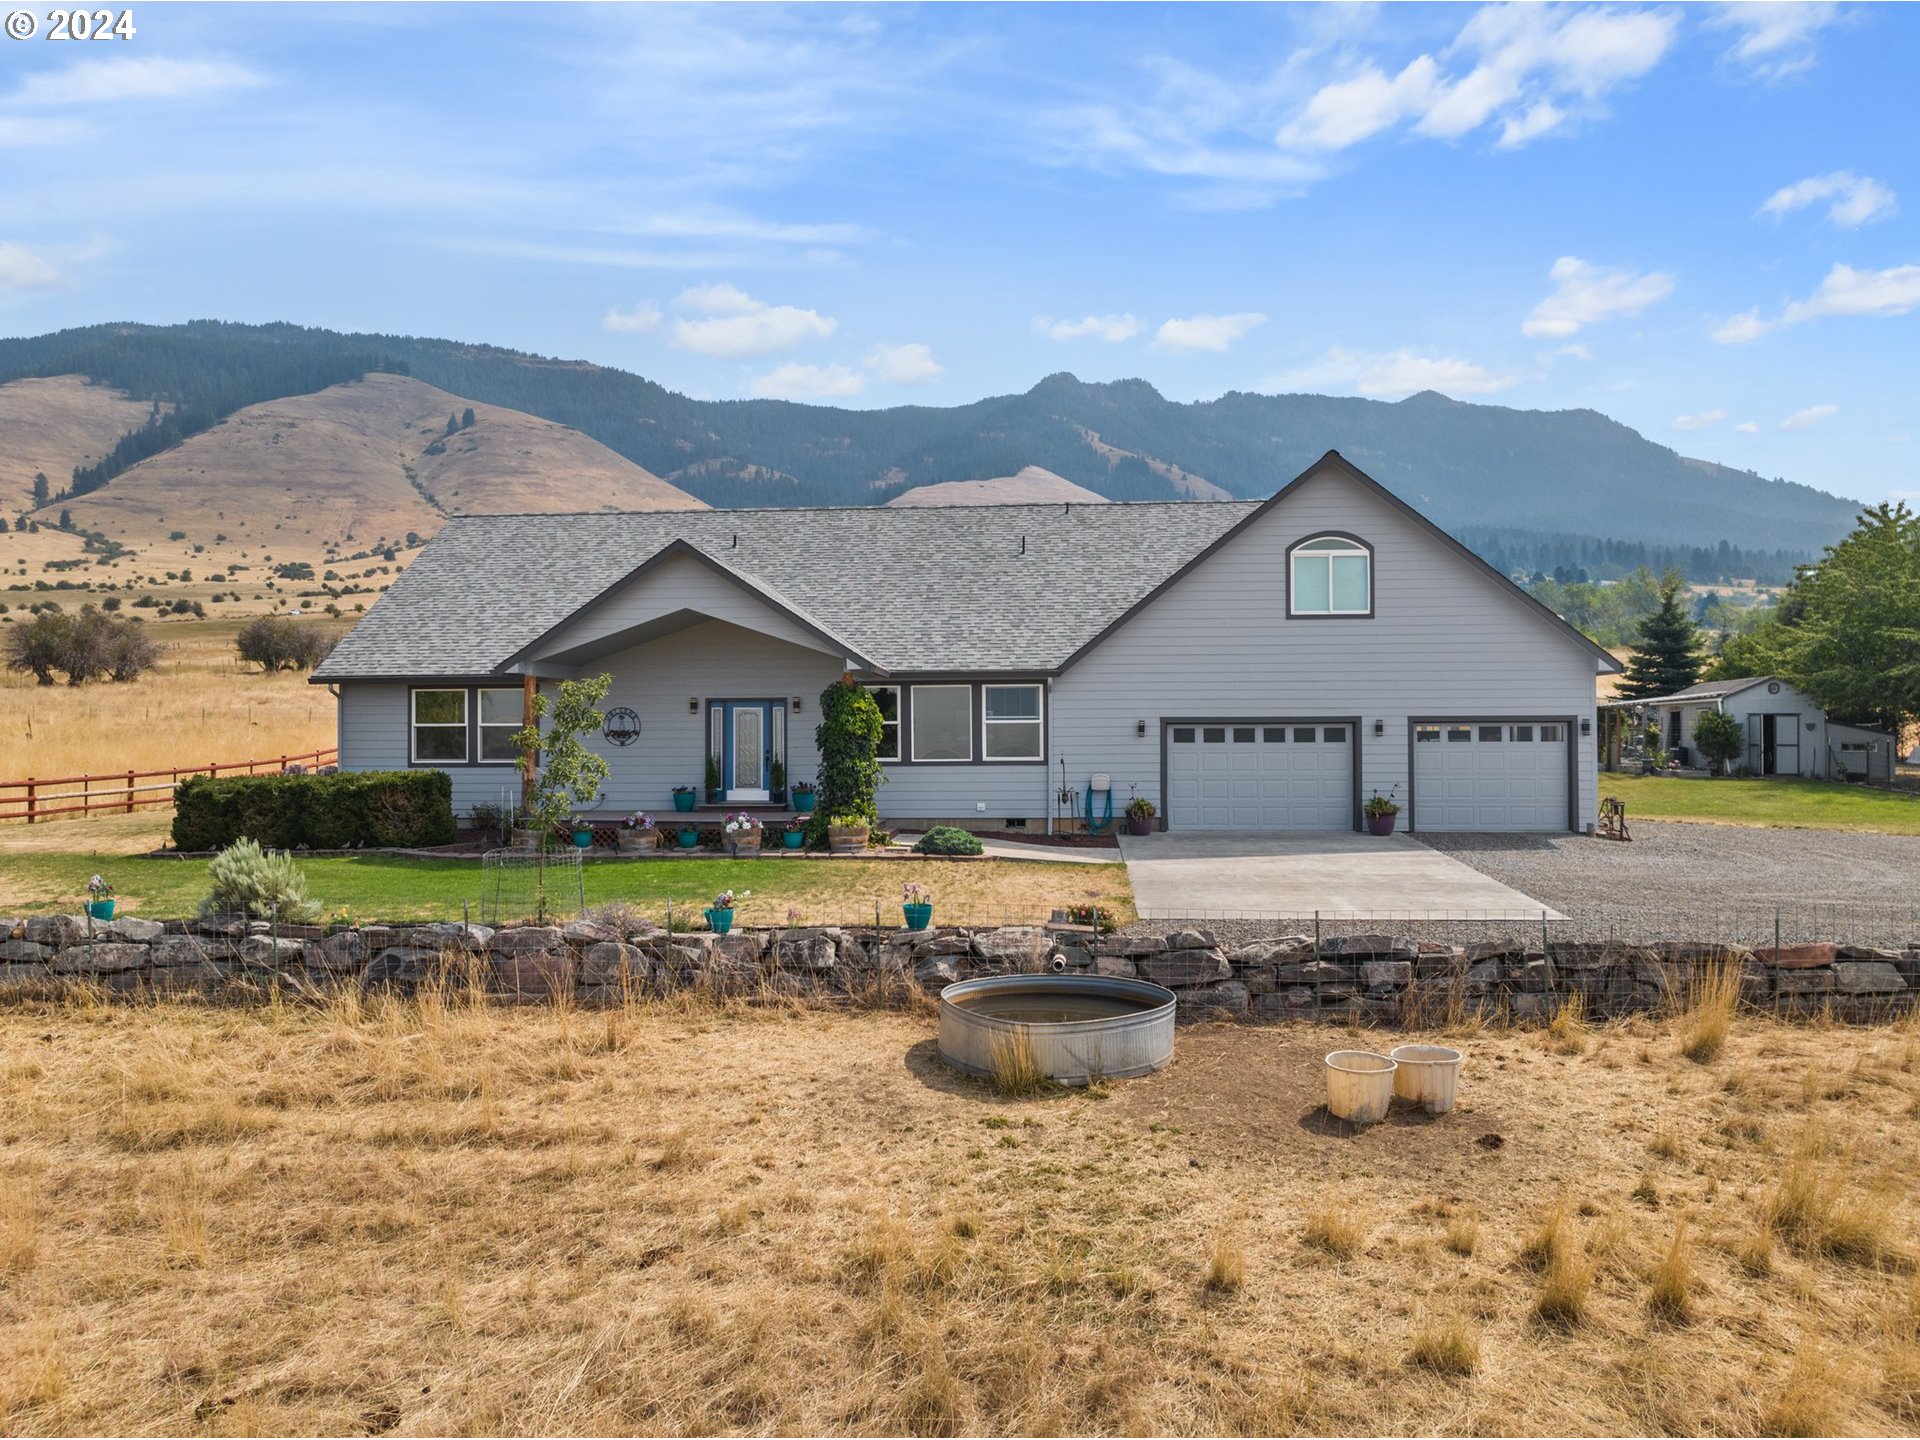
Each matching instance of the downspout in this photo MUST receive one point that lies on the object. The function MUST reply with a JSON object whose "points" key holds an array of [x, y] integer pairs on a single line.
{"points": [[1046, 771]]}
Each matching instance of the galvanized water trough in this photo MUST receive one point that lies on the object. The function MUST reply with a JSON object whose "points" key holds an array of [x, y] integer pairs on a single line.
{"points": [[1079, 1027]]}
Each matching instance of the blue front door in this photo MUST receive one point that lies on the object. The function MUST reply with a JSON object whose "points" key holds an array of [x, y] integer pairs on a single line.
{"points": [[749, 744]]}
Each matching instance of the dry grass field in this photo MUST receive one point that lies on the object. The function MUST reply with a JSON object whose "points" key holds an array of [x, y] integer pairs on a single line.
{"points": [[426, 1218], [200, 705]]}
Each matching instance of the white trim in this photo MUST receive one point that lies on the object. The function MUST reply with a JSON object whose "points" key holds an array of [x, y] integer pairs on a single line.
{"points": [[1350, 549], [463, 725], [481, 725], [898, 722], [1037, 720], [966, 759]]}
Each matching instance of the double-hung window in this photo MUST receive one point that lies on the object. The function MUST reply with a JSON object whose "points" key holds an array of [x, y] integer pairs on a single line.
{"points": [[500, 717], [1012, 722], [440, 727], [887, 697], [942, 722], [1330, 575]]}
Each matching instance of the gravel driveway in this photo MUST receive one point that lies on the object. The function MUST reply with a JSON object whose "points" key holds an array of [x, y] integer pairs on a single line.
{"points": [[1675, 882]]}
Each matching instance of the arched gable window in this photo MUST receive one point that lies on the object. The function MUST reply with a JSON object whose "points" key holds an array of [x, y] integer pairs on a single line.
{"points": [[1330, 575]]}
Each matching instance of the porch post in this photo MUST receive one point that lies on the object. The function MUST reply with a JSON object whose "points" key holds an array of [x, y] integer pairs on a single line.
{"points": [[529, 762]]}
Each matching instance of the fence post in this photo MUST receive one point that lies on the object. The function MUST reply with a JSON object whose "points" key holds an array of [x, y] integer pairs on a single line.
{"points": [[1776, 935], [30, 799], [1546, 952], [129, 792]]}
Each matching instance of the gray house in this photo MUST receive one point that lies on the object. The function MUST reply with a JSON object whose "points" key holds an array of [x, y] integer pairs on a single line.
{"points": [[1245, 666]]}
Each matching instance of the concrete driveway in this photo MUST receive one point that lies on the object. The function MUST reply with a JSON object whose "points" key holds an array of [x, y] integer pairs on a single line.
{"points": [[1393, 877]]}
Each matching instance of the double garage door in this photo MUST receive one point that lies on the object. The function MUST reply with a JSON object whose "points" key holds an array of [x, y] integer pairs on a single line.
{"points": [[1489, 775], [1299, 775], [1260, 775]]}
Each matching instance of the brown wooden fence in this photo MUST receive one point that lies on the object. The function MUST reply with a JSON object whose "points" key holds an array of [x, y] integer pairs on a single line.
{"points": [[34, 799]]}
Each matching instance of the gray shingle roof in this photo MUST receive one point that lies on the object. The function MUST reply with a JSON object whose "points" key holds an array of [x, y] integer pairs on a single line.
{"points": [[1716, 689], [915, 589]]}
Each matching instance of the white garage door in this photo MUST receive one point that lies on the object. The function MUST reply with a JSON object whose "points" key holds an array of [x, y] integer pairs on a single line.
{"points": [[1260, 775], [1474, 775]]}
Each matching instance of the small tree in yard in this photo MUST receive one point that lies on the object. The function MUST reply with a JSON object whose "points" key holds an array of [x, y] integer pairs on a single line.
{"points": [[1717, 737], [569, 774], [1666, 658], [848, 736]]}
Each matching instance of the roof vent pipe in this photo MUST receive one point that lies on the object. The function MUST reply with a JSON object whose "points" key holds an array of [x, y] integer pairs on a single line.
{"points": [[736, 539], [1023, 544]]}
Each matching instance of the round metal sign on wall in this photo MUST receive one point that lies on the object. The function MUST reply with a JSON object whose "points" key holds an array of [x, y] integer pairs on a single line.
{"points": [[622, 726]]}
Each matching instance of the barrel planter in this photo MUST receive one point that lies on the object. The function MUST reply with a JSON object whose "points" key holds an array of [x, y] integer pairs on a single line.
{"points": [[745, 848], [1428, 1075], [1359, 1086], [847, 839]]}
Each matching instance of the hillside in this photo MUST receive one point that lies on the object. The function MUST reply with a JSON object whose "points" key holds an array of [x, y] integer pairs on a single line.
{"points": [[51, 425], [1029, 486], [355, 466], [1572, 473]]}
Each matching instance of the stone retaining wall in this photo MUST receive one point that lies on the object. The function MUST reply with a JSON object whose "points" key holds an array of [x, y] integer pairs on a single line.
{"points": [[1373, 978]]}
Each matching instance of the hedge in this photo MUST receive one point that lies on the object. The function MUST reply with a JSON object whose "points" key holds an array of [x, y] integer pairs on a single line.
{"points": [[321, 812]]}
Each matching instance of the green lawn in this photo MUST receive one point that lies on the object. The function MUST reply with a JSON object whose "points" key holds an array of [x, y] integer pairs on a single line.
{"points": [[1798, 804], [384, 887]]}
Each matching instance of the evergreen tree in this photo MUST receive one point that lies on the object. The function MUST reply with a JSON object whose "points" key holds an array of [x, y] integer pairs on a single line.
{"points": [[1666, 658], [466, 417], [66, 519], [42, 488], [453, 422]]}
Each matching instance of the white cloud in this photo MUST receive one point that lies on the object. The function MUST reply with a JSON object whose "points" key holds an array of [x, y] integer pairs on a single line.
{"points": [[727, 226], [1532, 68], [1741, 328], [1808, 418], [1585, 294], [729, 324], [39, 131], [101, 82], [1857, 199], [904, 364], [1776, 39], [1700, 421], [809, 382], [1570, 352], [1847, 291], [1110, 328], [642, 319], [1747, 427], [1393, 374], [1206, 332], [21, 270]]}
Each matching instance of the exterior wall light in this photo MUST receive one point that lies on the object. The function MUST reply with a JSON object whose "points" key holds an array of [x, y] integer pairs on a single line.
{"points": [[794, 705], [1586, 725], [1379, 727], [1140, 728], [693, 705]]}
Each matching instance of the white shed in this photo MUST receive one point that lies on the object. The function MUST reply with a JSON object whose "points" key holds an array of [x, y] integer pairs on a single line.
{"points": [[1786, 730]]}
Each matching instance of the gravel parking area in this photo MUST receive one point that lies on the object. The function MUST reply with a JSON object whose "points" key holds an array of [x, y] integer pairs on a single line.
{"points": [[1675, 882]]}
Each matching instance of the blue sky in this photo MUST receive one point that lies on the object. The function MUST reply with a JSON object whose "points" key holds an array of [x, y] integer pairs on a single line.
{"points": [[1703, 221]]}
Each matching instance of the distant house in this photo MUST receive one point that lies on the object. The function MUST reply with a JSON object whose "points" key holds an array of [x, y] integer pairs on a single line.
{"points": [[1243, 665], [1786, 730]]}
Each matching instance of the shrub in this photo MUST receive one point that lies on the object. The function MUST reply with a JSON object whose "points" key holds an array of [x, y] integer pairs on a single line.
{"points": [[848, 737], [250, 881], [948, 840], [1717, 737], [487, 816], [322, 812], [275, 642], [87, 646]]}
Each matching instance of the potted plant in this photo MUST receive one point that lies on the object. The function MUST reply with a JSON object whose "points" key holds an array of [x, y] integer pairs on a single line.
{"points": [[636, 832], [720, 913], [688, 835], [1140, 813], [520, 830], [847, 834], [1381, 812], [100, 898], [581, 829], [803, 794], [743, 834], [713, 780], [916, 903], [777, 780], [793, 835], [683, 797]]}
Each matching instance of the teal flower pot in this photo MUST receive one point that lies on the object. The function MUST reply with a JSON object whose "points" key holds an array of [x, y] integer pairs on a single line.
{"points": [[583, 838], [688, 837], [719, 921], [803, 801], [794, 839], [100, 909], [919, 917], [683, 801]]}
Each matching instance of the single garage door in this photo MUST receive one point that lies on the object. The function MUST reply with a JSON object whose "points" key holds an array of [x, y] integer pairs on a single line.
{"points": [[1487, 775], [1260, 775]]}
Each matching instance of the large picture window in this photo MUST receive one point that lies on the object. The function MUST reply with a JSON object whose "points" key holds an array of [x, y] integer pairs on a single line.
{"points": [[500, 717], [887, 697], [1012, 716], [440, 726], [1331, 575], [942, 722]]}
